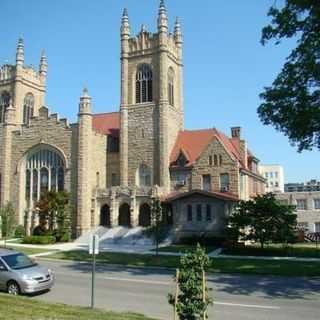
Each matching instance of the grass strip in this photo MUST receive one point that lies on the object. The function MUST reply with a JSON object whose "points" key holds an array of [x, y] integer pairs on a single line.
{"points": [[23, 308]]}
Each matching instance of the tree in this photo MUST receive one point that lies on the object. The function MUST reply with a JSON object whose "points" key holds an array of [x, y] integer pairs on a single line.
{"points": [[292, 103], [156, 222], [8, 220], [264, 219], [193, 299], [54, 208]]}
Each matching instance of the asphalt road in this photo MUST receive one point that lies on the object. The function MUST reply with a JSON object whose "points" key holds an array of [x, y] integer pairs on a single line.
{"points": [[145, 291]]}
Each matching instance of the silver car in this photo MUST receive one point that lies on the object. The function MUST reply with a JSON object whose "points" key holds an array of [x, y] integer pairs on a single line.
{"points": [[19, 274]]}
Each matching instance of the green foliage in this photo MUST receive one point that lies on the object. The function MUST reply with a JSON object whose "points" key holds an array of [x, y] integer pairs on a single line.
{"points": [[20, 231], [263, 219], [55, 208], [8, 220], [203, 240], [39, 240], [157, 227], [292, 103], [191, 304]]}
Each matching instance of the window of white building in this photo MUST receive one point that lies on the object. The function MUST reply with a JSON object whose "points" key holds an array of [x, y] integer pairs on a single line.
{"points": [[316, 204], [301, 204]]}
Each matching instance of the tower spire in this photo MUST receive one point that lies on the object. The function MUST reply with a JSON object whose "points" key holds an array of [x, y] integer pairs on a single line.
{"points": [[162, 18], [20, 52], [125, 26]]}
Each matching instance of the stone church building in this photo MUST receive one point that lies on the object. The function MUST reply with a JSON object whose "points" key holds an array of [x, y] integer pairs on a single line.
{"points": [[113, 164]]}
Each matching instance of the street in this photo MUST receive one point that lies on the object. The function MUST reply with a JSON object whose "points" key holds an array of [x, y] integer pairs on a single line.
{"points": [[145, 291]]}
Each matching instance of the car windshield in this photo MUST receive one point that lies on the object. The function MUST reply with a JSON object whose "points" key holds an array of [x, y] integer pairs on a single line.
{"points": [[18, 261]]}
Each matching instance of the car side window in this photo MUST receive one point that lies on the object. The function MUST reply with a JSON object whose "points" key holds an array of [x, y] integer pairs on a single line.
{"points": [[2, 266]]}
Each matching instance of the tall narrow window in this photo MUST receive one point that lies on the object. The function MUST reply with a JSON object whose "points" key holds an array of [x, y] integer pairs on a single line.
{"points": [[144, 84], [28, 185], [35, 184], [171, 87], [199, 212], [4, 104], [60, 179], [206, 182], [215, 158], [28, 106], [224, 182], [189, 212], [53, 179], [44, 180], [143, 176], [209, 215]]}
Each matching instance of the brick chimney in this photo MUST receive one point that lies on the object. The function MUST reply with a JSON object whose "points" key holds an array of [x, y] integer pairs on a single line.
{"points": [[242, 144]]}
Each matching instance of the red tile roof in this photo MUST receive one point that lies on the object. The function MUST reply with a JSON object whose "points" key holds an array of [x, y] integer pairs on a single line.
{"points": [[107, 123], [193, 142]]}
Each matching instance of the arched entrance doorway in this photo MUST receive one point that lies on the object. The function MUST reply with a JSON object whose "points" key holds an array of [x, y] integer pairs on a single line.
{"points": [[145, 215], [105, 219], [124, 215]]}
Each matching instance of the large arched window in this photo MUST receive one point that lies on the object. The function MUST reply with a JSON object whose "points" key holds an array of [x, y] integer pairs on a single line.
{"points": [[4, 104], [28, 105], [44, 172], [144, 84], [143, 177], [171, 86]]}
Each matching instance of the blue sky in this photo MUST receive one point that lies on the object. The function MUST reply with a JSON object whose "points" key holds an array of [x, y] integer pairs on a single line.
{"points": [[225, 65]]}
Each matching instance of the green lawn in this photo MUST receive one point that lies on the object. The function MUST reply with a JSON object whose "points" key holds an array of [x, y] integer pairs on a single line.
{"points": [[29, 251], [296, 250], [22, 308], [219, 265], [179, 248]]}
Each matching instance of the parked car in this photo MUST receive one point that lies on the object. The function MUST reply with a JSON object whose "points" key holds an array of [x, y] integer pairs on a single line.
{"points": [[20, 274]]}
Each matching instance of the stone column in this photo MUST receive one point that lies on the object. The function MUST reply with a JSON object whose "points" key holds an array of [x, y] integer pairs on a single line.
{"points": [[84, 158]]}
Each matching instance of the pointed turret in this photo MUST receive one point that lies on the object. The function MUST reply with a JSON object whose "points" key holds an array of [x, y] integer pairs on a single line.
{"points": [[177, 32], [125, 26], [162, 18], [85, 102], [43, 67], [20, 53]]}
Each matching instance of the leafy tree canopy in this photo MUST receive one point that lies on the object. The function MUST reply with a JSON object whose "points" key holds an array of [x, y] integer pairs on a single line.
{"points": [[292, 103], [264, 219]]}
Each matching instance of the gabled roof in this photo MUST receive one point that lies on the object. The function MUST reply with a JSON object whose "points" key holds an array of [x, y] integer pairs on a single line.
{"points": [[193, 142], [218, 195], [107, 123]]}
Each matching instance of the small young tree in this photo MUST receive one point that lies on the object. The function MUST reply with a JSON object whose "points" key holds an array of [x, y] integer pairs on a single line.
{"points": [[263, 219], [54, 208], [192, 300], [8, 220], [156, 221]]}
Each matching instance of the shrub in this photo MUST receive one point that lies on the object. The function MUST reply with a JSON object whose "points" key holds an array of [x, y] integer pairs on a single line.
{"points": [[39, 240], [40, 231], [20, 232]]}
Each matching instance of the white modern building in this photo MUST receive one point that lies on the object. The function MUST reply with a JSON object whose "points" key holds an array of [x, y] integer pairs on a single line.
{"points": [[274, 176]]}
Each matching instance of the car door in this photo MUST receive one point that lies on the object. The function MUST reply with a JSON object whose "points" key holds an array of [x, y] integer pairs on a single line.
{"points": [[4, 276]]}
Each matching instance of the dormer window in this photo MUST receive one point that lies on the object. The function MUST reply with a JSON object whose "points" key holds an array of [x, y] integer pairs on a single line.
{"points": [[182, 160], [144, 84]]}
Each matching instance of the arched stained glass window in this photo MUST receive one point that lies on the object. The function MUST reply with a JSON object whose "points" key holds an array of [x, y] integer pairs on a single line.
{"points": [[144, 84], [47, 168], [4, 104]]}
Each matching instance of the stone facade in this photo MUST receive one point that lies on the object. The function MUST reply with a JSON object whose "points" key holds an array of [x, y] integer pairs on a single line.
{"points": [[113, 164]]}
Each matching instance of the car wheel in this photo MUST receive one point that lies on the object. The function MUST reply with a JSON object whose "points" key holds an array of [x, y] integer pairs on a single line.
{"points": [[13, 288]]}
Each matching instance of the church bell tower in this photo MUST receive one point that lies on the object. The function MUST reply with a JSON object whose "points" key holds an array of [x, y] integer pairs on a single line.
{"points": [[151, 101]]}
